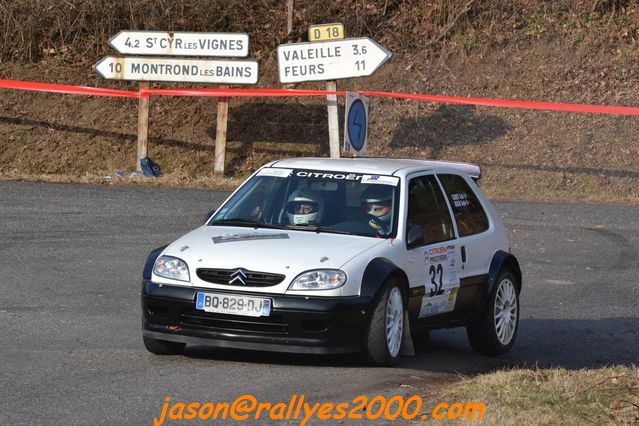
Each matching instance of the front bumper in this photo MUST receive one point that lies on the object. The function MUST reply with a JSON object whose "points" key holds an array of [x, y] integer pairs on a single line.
{"points": [[298, 324]]}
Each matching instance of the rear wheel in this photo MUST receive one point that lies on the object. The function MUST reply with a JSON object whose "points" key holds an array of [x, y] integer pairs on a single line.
{"points": [[495, 333], [163, 347], [383, 336]]}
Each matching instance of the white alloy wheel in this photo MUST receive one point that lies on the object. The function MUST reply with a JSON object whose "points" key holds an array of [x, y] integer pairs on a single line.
{"points": [[394, 321], [505, 312]]}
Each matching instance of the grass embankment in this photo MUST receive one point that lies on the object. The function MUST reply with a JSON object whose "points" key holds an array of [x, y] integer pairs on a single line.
{"points": [[553, 396], [579, 51]]}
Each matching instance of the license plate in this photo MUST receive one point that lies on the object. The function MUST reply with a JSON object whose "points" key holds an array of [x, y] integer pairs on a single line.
{"points": [[233, 304]]}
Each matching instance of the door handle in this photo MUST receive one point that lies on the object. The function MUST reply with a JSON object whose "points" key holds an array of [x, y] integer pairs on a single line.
{"points": [[463, 254]]}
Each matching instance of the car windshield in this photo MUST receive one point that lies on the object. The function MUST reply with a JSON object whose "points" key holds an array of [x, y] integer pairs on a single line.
{"points": [[314, 200]]}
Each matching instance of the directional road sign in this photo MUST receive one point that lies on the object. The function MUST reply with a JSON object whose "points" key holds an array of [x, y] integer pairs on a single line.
{"points": [[356, 123], [329, 60], [234, 45], [237, 71]]}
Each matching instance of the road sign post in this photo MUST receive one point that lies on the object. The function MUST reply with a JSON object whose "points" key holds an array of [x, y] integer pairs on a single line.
{"points": [[220, 134], [333, 120], [147, 68], [327, 59], [321, 33], [143, 125]]}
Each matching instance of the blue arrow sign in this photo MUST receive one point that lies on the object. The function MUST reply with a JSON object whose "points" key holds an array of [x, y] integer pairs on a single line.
{"points": [[356, 125]]}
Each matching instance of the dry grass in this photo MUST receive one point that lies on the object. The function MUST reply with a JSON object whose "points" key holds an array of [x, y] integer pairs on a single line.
{"points": [[581, 51], [77, 29], [553, 396]]}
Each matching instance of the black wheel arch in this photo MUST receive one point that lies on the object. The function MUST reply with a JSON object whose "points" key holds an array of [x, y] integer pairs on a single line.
{"points": [[150, 261], [503, 260], [377, 272]]}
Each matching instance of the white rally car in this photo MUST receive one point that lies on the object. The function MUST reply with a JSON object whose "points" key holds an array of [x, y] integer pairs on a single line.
{"points": [[315, 255]]}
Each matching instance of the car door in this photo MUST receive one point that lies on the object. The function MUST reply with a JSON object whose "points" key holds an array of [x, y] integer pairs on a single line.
{"points": [[433, 254], [475, 236]]}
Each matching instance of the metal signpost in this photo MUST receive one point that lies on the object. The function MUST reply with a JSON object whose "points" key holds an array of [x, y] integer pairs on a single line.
{"points": [[356, 124], [145, 69], [321, 33], [328, 60]]}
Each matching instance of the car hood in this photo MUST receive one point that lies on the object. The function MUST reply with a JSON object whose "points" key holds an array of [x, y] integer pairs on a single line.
{"points": [[288, 252]]}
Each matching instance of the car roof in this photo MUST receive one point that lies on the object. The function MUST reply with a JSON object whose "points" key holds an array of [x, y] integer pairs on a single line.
{"points": [[373, 165]]}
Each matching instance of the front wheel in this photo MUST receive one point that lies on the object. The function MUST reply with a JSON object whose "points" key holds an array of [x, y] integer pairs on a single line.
{"points": [[495, 334], [383, 336]]}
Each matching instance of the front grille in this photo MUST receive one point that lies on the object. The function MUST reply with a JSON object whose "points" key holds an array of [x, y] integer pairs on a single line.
{"points": [[253, 279], [272, 324]]}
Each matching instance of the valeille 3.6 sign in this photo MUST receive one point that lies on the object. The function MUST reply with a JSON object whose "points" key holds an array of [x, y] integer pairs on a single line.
{"points": [[330, 60]]}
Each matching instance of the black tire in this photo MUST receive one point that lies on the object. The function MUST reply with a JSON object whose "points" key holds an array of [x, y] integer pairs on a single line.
{"points": [[483, 336], [375, 348], [163, 347]]}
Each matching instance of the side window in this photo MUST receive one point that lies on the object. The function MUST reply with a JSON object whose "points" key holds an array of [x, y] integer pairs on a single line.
{"points": [[427, 208], [469, 214]]}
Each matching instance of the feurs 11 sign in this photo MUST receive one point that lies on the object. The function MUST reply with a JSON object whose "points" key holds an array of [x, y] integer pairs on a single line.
{"points": [[329, 60]]}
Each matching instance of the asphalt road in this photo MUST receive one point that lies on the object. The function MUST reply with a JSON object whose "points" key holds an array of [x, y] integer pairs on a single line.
{"points": [[71, 349]]}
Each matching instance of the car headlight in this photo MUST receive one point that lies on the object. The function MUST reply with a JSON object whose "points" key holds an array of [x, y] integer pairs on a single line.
{"points": [[322, 279], [171, 267]]}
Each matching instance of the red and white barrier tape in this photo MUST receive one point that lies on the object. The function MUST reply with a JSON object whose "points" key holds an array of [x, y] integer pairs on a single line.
{"points": [[217, 92]]}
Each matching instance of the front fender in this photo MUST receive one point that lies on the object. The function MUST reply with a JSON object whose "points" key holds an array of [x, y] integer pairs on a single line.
{"points": [[150, 261], [375, 275]]}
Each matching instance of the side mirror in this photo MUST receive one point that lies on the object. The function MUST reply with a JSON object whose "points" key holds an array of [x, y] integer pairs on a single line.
{"points": [[415, 236], [208, 216]]}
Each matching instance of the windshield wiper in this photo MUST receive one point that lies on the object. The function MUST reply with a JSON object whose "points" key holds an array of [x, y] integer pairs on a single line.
{"points": [[245, 222], [318, 229]]}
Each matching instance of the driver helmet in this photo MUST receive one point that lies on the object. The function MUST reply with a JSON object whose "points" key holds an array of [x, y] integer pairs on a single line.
{"points": [[377, 201], [305, 206]]}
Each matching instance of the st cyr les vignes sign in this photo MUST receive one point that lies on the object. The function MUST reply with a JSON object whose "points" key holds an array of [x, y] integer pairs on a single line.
{"points": [[229, 45]]}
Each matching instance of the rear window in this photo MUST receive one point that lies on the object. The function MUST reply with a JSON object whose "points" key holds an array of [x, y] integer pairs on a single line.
{"points": [[469, 213], [427, 209]]}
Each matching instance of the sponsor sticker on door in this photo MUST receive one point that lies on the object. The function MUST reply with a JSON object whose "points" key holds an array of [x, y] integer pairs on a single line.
{"points": [[442, 283]]}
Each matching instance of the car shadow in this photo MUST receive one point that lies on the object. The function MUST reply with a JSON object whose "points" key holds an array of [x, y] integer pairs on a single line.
{"points": [[448, 125], [545, 343]]}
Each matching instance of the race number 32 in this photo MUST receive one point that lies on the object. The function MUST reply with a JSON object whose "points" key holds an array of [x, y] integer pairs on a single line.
{"points": [[436, 273]]}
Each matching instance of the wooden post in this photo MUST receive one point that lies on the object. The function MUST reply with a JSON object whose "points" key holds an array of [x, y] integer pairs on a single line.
{"points": [[220, 134], [143, 125], [333, 123], [289, 21]]}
